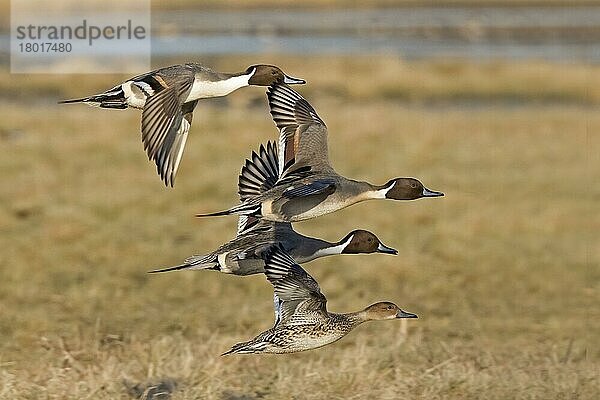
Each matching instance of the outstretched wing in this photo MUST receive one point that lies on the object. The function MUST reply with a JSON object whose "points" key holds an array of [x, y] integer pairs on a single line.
{"points": [[302, 134], [298, 298], [259, 174], [166, 122]]}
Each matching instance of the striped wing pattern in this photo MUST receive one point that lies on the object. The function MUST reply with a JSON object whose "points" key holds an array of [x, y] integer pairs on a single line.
{"points": [[260, 173], [300, 298], [165, 125], [293, 115]]}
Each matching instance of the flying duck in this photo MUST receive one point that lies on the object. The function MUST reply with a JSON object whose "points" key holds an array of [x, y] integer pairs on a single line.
{"points": [[243, 255], [307, 186], [167, 98], [302, 321]]}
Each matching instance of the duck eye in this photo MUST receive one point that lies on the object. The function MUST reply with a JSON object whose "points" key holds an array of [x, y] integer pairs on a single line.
{"points": [[390, 307], [413, 185]]}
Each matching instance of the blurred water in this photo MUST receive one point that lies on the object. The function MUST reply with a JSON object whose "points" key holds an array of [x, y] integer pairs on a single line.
{"points": [[554, 33], [406, 48], [384, 18]]}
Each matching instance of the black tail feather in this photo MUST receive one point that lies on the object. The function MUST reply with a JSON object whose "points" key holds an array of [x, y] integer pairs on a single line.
{"points": [[242, 209], [215, 214], [230, 351], [114, 98], [168, 269], [68, 101], [193, 263]]}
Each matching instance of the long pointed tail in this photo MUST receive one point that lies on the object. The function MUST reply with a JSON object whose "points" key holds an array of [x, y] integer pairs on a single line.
{"points": [[114, 98], [246, 348], [230, 351], [169, 269], [242, 209], [192, 263], [80, 100]]}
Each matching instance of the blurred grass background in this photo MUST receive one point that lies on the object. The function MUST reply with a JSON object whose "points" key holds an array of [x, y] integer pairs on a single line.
{"points": [[503, 271]]}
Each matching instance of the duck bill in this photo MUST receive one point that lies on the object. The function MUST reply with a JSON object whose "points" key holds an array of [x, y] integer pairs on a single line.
{"points": [[431, 193], [290, 80], [404, 314], [387, 250]]}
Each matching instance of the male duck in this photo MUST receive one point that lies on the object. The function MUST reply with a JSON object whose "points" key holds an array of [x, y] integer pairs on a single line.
{"points": [[302, 321], [307, 186], [243, 255], [168, 96]]}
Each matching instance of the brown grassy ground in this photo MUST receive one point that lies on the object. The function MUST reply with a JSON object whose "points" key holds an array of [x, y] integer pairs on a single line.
{"points": [[503, 271]]}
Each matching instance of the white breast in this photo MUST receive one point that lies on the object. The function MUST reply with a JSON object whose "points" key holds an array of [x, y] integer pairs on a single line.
{"points": [[205, 89]]}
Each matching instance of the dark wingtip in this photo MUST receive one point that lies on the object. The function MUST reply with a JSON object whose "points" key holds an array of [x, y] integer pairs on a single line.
{"points": [[167, 179]]}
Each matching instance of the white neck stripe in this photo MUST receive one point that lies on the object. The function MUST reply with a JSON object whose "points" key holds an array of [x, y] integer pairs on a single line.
{"points": [[333, 250], [381, 193]]}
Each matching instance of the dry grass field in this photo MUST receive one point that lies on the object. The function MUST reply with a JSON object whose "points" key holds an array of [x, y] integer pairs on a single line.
{"points": [[504, 272]]}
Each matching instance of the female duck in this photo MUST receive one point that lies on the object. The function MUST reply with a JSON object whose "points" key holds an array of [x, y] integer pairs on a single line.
{"points": [[307, 186], [302, 321], [168, 96]]}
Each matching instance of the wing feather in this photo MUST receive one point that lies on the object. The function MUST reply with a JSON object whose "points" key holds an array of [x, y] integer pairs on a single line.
{"points": [[302, 133], [166, 122], [299, 295]]}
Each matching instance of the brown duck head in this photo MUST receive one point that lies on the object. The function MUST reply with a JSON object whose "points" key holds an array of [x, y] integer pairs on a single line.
{"points": [[408, 189], [361, 241], [266, 75], [386, 310]]}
